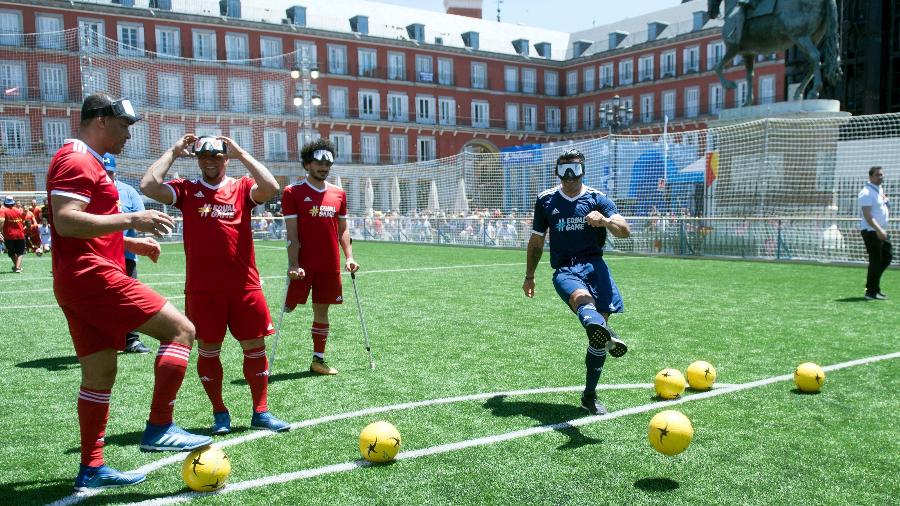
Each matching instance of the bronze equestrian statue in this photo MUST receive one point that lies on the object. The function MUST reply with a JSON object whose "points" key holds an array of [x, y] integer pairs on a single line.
{"points": [[755, 27]]}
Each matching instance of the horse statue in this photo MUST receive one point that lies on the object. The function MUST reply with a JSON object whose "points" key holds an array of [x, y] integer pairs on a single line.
{"points": [[755, 27]]}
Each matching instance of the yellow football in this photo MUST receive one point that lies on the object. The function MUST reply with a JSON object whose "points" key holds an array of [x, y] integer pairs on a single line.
{"points": [[701, 375], [379, 442], [669, 383], [670, 432], [206, 469], [809, 377]]}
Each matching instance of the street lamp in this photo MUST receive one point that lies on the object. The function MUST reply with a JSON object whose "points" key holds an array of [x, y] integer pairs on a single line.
{"points": [[616, 115], [305, 95]]}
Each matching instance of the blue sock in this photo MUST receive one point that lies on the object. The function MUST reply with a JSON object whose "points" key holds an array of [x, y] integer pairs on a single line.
{"points": [[593, 362], [587, 313]]}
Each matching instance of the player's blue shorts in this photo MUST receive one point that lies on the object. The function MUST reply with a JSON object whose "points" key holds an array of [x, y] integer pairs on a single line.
{"points": [[593, 276]]}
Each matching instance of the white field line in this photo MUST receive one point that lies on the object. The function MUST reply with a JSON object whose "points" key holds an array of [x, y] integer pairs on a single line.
{"points": [[435, 450], [360, 273]]}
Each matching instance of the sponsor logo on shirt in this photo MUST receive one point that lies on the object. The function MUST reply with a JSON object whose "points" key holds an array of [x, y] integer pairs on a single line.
{"points": [[570, 224], [216, 211], [323, 211]]}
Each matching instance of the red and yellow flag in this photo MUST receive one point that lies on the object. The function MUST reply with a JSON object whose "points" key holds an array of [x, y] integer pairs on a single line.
{"points": [[712, 167]]}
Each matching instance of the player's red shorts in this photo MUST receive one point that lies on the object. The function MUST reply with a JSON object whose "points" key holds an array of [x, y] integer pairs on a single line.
{"points": [[325, 286], [243, 312], [100, 321]]}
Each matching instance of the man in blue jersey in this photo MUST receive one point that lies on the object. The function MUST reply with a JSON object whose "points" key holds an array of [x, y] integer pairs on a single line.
{"points": [[130, 202], [578, 218]]}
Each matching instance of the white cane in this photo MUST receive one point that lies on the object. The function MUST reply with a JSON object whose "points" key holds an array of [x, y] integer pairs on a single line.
{"points": [[287, 282]]}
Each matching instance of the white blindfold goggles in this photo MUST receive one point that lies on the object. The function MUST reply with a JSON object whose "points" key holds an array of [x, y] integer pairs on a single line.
{"points": [[323, 155], [570, 170]]}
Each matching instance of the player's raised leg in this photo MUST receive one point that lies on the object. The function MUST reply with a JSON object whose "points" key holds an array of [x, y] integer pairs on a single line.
{"points": [[176, 335]]}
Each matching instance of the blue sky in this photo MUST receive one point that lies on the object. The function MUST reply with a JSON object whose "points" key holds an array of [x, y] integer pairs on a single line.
{"points": [[563, 15]]}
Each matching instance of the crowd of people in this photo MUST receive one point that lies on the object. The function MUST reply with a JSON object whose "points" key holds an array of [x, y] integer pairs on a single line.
{"points": [[25, 229]]}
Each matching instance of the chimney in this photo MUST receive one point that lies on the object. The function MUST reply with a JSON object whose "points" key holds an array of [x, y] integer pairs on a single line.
{"points": [[543, 49], [296, 15], [616, 38], [469, 8], [360, 24], [416, 32], [654, 29], [470, 39], [700, 19], [521, 46], [579, 47]]}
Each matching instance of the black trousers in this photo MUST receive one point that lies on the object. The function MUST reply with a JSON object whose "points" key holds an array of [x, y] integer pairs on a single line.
{"points": [[879, 259], [131, 270]]}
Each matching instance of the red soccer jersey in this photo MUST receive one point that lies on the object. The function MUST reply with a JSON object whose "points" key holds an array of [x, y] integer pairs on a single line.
{"points": [[14, 224], [218, 240], [36, 211], [83, 266], [317, 213]]}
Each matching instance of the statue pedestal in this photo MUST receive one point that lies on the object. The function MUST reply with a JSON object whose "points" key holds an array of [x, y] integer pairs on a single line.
{"points": [[800, 109]]}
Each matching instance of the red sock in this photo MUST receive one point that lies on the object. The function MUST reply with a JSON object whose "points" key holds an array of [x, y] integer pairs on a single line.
{"points": [[171, 363], [209, 368], [319, 336], [256, 372], [93, 412]]}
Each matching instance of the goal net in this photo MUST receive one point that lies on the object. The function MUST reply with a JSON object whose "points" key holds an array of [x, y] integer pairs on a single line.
{"points": [[774, 188]]}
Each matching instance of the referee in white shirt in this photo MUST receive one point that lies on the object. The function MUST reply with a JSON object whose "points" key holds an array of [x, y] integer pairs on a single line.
{"points": [[874, 211]]}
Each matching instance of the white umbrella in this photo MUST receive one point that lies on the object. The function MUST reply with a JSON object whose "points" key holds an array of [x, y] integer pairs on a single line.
{"points": [[433, 201], [338, 182], [462, 203], [370, 196], [395, 195]]}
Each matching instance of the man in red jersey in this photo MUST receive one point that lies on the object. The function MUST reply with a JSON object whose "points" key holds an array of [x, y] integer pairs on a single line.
{"points": [[315, 214], [12, 223], [222, 288], [100, 301]]}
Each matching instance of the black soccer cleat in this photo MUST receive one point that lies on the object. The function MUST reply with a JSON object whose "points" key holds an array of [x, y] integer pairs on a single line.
{"points": [[592, 405], [616, 346]]}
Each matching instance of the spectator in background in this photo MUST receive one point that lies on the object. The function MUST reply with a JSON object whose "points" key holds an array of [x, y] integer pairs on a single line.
{"points": [[129, 202], [36, 210], [44, 230], [874, 212], [12, 222]]}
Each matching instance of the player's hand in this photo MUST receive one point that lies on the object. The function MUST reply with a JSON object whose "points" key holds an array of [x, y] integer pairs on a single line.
{"points": [[528, 287], [595, 219], [145, 247], [183, 145], [296, 273], [152, 221], [233, 149], [351, 265], [881, 234]]}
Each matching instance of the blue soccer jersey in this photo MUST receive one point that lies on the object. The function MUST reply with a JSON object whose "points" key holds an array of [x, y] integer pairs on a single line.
{"points": [[571, 238]]}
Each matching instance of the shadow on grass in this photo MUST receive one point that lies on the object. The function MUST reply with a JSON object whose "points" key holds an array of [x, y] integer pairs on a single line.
{"points": [[51, 364], [545, 413], [797, 391], [656, 484], [134, 438], [852, 299], [287, 376], [37, 491]]}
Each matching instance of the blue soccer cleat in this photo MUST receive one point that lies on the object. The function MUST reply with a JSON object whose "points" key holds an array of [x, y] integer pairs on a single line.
{"points": [[104, 477], [221, 423], [171, 438], [266, 420]]}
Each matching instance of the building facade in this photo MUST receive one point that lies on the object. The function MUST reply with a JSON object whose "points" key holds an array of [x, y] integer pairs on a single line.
{"points": [[417, 96]]}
